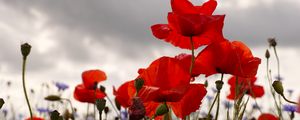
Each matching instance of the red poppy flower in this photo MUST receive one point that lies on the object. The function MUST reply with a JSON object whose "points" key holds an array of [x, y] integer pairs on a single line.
{"points": [[35, 118], [164, 80], [189, 103], [91, 77], [187, 21], [267, 116], [82, 94], [246, 85], [125, 93], [227, 57]]}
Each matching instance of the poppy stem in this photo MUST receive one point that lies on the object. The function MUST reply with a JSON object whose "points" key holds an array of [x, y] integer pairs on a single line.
{"points": [[289, 100], [193, 56], [24, 87], [119, 115], [212, 105], [87, 111]]}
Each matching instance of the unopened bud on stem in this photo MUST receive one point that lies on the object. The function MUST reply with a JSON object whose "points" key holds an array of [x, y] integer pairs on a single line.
{"points": [[25, 49], [277, 85]]}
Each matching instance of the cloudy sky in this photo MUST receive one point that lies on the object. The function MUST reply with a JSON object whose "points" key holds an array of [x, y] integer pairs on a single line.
{"points": [[71, 36]]}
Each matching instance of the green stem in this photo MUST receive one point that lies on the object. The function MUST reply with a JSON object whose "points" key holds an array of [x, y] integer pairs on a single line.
{"points": [[115, 109], [87, 111], [289, 100], [272, 91], [218, 106], [24, 87], [193, 56], [215, 99], [278, 65]]}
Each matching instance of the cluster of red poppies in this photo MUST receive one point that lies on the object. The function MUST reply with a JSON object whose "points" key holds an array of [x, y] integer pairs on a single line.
{"points": [[167, 83], [168, 80]]}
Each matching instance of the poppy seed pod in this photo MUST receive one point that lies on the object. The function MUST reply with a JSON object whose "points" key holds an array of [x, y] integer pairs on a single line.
{"points": [[219, 85], [277, 85], [267, 54], [272, 42], [25, 49], [161, 109]]}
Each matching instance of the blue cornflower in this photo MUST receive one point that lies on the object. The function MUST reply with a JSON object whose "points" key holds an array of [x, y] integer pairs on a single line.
{"points": [[227, 104], [289, 108], [43, 110], [124, 115], [209, 98], [61, 86], [290, 91], [255, 106]]}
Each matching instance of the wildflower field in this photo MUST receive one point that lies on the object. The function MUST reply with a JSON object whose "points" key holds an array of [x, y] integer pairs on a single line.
{"points": [[207, 76]]}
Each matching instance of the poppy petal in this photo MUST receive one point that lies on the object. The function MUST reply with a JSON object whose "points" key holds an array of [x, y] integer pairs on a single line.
{"points": [[190, 102], [82, 94], [125, 93], [91, 77]]}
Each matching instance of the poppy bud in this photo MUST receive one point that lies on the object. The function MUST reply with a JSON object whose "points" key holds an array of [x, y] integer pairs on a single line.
{"points": [[138, 84], [136, 110], [25, 49], [267, 55], [277, 85], [272, 42], [161, 110], [102, 88], [1, 102], [106, 110], [100, 104], [117, 104], [52, 98], [219, 85]]}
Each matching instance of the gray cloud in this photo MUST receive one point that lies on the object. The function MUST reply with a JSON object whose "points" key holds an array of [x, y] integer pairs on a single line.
{"points": [[86, 32]]}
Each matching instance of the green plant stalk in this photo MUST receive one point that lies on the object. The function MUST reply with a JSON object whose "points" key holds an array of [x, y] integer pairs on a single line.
{"points": [[273, 92], [215, 99], [115, 109], [87, 111], [289, 100], [193, 57], [218, 106], [278, 72], [24, 87]]}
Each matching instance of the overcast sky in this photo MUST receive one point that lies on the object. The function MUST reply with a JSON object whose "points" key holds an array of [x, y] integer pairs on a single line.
{"points": [[71, 36]]}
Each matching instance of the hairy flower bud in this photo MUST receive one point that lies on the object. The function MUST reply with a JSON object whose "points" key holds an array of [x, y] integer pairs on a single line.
{"points": [[277, 85], [138, 84], [161, 110], [100, 104], [267, 54], [25, 49]]}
